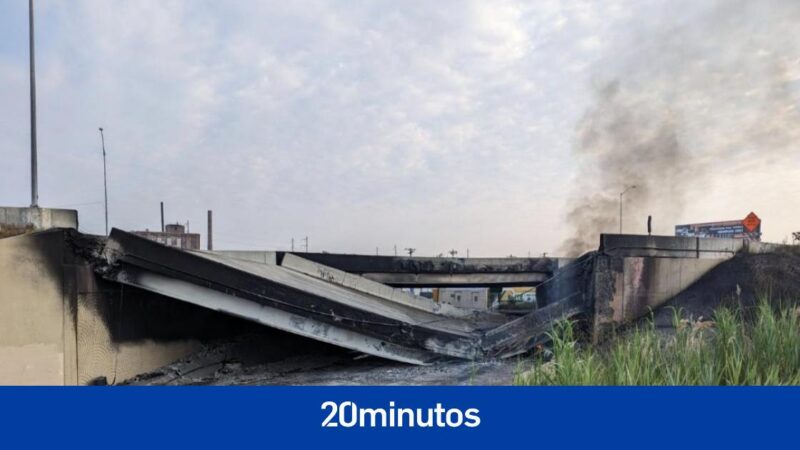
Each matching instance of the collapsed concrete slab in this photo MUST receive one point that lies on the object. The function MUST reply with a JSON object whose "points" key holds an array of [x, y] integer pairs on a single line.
{"points": [[362, 316]]}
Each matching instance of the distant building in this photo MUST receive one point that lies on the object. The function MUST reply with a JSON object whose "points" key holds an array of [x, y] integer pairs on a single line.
{"points": [[469, 298], [422, 292], [519, 295], [174, 235], [748, 228]]}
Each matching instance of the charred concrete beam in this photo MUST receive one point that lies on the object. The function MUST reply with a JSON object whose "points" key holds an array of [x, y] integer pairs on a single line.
{"points": [[399, 271], [385, 265], [130, 258], [368, 319], [458, 279], [523, 334], [299, 324]]}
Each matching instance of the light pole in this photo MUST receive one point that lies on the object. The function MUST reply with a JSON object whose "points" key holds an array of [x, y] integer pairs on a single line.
{"points": [[34, 164], [620, 204], [105, 181]]}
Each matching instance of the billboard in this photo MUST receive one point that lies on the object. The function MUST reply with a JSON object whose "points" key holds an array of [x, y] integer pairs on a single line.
{"points": [[747, 228]]}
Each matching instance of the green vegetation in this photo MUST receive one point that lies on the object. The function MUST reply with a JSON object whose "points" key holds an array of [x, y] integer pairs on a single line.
{"points": [[762, 350]]}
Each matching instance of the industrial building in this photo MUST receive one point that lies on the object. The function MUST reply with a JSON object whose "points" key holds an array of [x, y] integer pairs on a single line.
{"points": [[174, 235]]}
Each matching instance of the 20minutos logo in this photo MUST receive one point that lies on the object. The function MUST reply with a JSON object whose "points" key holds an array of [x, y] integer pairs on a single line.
{"points": [[348, 414]]}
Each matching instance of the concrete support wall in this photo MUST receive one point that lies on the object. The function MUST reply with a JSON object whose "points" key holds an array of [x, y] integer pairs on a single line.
{"points": [[62, 325], [629, 288], [34, 314], [117, 330], [635, 274]]}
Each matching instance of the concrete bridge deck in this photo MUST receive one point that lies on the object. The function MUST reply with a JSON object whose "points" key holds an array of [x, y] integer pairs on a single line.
{"points": [[401, 271]]}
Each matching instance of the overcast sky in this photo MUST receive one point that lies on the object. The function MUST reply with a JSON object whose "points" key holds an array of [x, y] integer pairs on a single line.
{"points": [[360, 124]]}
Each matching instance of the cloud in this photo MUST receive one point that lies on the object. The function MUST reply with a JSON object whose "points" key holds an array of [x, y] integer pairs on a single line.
{"points": [[426, 124]]}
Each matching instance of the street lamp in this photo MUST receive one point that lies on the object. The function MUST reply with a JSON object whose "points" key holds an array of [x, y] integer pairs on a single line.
{"points": [[105, 182], [34, 154], [620, 204]]}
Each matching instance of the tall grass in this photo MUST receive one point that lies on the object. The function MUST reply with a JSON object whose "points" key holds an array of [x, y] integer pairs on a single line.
{"points": [[763, 350]]}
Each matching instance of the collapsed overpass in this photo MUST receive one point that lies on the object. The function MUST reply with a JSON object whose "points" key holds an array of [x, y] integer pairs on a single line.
{"points": [[76, 308]]}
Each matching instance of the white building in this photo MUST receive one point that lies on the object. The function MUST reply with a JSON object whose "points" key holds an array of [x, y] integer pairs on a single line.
{"points": [[469, 298]]}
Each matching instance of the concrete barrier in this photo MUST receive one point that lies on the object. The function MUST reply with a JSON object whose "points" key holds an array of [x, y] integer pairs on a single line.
{"points": [[669, 246], [37, 219]]}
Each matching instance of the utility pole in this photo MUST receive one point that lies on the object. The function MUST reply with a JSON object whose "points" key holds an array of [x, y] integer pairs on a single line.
{"points": [[162, 217], [292, 244], [306, 241], [410, 251], [34, 157], [395, 249], [620, 204], [105, 180]]}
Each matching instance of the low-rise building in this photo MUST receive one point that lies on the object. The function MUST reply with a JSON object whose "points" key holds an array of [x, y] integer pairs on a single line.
{"points": [[174, 235], [463, 297]]}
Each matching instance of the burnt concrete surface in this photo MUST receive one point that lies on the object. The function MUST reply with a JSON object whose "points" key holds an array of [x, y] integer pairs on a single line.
{"points": [[317, 308], [400, 271], [62, 324], [402, 264]]}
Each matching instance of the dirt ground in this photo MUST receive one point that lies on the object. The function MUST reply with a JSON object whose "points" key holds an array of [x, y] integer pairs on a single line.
{"points": [[238, 362]]}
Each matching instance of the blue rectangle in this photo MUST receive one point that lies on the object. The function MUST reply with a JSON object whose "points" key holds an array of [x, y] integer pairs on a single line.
{"points": [[291, 417]]}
